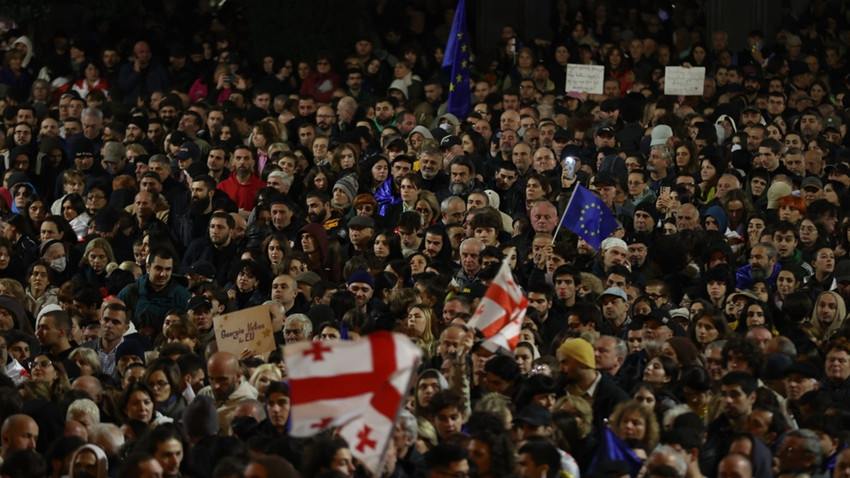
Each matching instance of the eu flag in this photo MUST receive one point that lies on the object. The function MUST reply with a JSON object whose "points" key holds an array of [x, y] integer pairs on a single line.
{"points": [[612, 448], [589, 217], [456, 65]]}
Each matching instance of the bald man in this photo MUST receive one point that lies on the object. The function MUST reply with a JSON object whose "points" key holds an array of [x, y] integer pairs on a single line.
{"points": [[736, 465], [227, 386], [19, 432]]}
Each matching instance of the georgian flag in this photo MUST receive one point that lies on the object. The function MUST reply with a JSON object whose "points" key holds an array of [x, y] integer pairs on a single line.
{"points": [[499, 314], [358, 386]]}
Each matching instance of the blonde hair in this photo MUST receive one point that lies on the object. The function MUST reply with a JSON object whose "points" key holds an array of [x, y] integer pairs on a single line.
{"points": [[89, 356], [98, 243], [266, 367]]}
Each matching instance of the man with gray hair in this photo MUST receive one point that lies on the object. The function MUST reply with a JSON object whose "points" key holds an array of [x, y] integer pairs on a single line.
{"points": [[298, 328], [92, 120], [405, 434], [800, 452], [658, 164], [665, 457], [610, 353], [280, 180], [452, 210]]}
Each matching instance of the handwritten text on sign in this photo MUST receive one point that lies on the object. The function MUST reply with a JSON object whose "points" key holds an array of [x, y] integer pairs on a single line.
{"points": [[684, 81], [585, 78], [248, 329]]}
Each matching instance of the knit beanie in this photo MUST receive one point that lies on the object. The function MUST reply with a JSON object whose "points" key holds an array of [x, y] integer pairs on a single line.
{"points": [[348, 185], [579, 350], [777, 191]]}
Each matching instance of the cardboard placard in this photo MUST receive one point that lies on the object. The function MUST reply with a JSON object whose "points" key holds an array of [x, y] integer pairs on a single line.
{"points": [[585, 78], [684, 81], [249, 329]]}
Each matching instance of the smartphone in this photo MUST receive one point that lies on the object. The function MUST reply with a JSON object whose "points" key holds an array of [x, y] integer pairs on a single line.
{"points": [[665, 191], [570, 167]]}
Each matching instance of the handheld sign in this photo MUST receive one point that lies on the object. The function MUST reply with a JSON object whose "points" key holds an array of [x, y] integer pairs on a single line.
{"points": [[684, 81], [247, 329], [585, 78]]}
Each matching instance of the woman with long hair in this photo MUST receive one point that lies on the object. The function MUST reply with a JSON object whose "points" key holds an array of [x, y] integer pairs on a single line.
{"points": [[97, 256], [687, 159], [162, 377], [40, 288], [617, 66], [708, 326], [345, 159], [423, 328], [51, 373]]}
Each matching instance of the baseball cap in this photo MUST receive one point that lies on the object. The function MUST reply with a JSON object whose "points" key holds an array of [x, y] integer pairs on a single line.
{"points": [[811, 181], [604, 177], [535, 415], [113, 152], [842, 168], [199, 301], [660, 135], [450, 141], [615, 292], [188, 150], [202, 268], [607, 130]]}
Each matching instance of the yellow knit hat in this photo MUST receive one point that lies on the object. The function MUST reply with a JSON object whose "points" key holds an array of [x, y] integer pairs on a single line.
{"points": [[579, 350]]}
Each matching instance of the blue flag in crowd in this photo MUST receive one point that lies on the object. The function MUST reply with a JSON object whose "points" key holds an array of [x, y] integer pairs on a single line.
{"points": [[456, 64], [589, 217], [612, 448]]}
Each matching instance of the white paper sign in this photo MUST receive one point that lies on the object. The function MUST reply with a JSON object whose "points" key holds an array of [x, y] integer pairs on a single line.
{"points": [[684, 81], [585, 78]]}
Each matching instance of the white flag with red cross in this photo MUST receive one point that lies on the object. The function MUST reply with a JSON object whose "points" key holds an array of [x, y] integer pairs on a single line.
{"points": [[499, 314], [358, 386]]}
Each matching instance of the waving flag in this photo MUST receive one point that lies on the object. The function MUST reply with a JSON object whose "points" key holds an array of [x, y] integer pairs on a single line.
{"points": [[456, 64], [612, 448], [589, 217], [357, 386], [500, 313]]}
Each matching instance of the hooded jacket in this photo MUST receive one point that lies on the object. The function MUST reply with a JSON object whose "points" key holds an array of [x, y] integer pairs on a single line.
{"points": [[328, 269]]}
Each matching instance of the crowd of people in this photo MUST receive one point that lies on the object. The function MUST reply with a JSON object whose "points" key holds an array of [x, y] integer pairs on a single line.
{"points": [[148, 188]]}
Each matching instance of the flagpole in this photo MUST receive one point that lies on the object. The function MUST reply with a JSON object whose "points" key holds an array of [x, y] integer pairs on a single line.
{"points": [[410, 382], [572, 196]]}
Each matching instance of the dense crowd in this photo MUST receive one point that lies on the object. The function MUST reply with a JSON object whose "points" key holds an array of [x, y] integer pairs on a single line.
{"points": [[145, 194]]}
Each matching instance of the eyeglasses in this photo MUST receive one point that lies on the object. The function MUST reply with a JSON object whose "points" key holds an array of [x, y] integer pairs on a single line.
{"points": [[42, 364], [158, 385], [94, 197]]}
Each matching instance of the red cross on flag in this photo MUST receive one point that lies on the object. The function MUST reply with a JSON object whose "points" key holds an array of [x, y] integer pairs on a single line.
{"points": [[499, 314], [357, 386]]}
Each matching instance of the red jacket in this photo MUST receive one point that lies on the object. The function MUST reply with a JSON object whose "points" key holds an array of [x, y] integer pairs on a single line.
{"points": [[242, 194]]}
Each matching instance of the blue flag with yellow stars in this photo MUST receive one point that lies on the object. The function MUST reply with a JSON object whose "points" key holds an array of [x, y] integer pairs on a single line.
{"points": [[456, 64], [589, 217]]}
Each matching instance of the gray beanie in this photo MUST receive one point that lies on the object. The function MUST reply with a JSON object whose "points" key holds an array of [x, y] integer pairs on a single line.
{"points": [[348, 185]]}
